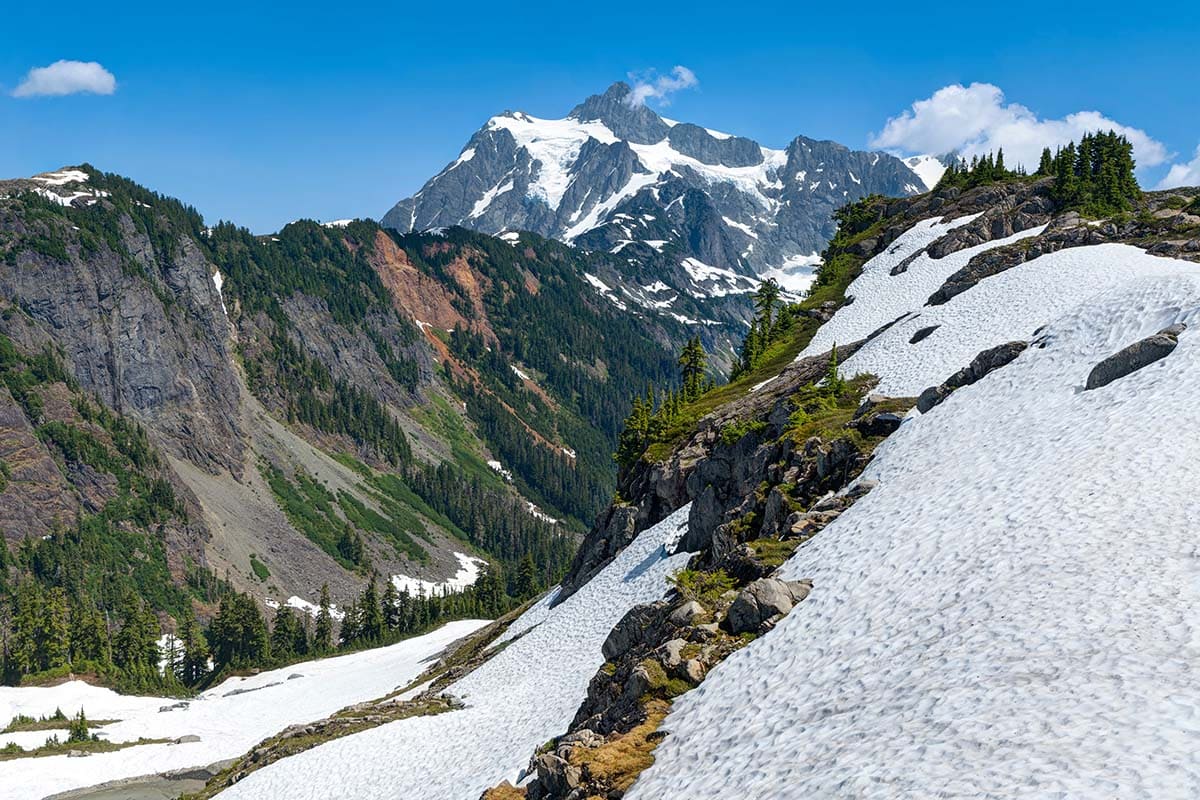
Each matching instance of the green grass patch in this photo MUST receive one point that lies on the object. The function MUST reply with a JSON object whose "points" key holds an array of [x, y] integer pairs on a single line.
{"points": [[54, 747], [259, 568], [368, 519], [308, 506], [441, 419], [773, 552]]}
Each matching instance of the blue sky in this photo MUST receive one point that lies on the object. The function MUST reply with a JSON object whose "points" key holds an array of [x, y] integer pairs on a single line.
{"points": [[263, 116]]}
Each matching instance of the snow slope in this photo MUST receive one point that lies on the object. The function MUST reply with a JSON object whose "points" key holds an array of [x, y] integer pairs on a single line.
{"points": [[1012, 611], [523, 696], [228, 724]]}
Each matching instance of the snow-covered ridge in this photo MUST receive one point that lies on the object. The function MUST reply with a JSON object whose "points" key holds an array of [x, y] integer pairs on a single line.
{"points": [[555, 143], [569, 178], [995, 618]]}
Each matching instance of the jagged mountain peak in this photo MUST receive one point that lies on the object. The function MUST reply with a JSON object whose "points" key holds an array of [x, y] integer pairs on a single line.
{"points": [[634, 122], [678, 198]]}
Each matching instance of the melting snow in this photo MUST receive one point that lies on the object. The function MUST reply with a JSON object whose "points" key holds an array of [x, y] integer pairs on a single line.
{"points": [[469, 569], [717, 281], [219, 281], [228, 724], [482, 204], [525, 694], [741, 226], [500, 469], [62, 177]]}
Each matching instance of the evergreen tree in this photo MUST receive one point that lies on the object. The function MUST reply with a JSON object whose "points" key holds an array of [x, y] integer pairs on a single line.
{"points": [[284, 633], [391, 607], [765, 298], [693, 362], [238, 634], [323, 631], [527, 580], [56, 644], [370, 614], [1046, 165], [77, 731], [193, 667]]}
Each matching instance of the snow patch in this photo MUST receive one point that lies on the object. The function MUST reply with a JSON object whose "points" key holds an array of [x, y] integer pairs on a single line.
{"points": [[469, 570]]}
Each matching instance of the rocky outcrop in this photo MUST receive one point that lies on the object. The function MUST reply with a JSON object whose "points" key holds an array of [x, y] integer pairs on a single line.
{"points": [[1160, 228], [1130, 359], [984, 363], [763, 602], [728, 472]]}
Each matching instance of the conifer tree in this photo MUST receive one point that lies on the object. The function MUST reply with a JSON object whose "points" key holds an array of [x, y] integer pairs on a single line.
{"points": [[56, 643], [370, 614], [527, 581], [194, 665], [390, 602], [323, 631], [284, 634]]}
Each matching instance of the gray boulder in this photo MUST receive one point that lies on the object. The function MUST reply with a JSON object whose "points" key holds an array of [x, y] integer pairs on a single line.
{"points": [[686, 614], [763, 600], [1137, 355]]}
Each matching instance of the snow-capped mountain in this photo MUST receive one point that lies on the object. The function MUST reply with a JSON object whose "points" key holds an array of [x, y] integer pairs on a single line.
{"points": [[615, 176]]}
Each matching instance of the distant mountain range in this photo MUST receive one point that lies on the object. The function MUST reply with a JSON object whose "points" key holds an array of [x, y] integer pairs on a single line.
{"points": [[615, 176]]}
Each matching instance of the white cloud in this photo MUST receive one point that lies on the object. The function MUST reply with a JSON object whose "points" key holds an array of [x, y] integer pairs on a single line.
{"points": [[1183, 174], [67, 77], [975, 119], [649, 86]]}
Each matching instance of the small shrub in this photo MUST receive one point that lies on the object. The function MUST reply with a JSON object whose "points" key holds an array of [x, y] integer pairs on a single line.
{"points": [[704, 587]]}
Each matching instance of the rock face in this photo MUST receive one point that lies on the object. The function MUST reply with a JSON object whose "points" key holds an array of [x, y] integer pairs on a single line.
{"points": [[1137, 355], [981, 365], [610, 174], [166, 362]]}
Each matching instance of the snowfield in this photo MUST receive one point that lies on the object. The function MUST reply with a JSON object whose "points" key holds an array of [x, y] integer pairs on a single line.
{"points": [[1013, 611], [228, 724], [522, 697]]}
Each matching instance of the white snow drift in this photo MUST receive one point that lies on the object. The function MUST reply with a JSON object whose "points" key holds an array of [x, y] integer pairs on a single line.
{"points": [[525, 695], [227, 723]]}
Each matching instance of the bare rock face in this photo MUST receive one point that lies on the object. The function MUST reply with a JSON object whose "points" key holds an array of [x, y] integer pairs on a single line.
{"points": [[143, 329], [1137, 355], [35, 495]]}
